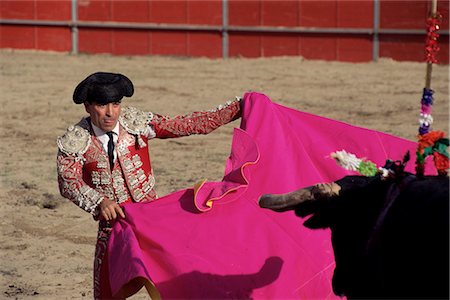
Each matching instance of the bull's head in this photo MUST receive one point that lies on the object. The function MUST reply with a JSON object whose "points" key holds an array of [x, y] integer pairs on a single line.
{"points": [[305, 202], [342, 206]]}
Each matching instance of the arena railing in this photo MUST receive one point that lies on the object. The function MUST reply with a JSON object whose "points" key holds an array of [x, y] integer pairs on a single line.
{"points": [[224, 29]]}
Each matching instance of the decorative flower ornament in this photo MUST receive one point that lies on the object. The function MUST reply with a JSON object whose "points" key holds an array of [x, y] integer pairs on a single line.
{"points": [[346, 160], [433, 143], [425, 118], [349, 161]]}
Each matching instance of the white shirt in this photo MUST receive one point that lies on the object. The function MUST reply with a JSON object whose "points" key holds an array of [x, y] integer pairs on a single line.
{"points": [[104, 138]]}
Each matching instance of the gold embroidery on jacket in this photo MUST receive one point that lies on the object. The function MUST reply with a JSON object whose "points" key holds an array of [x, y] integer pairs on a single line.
{"points": [[136, 122], [76, 140]]}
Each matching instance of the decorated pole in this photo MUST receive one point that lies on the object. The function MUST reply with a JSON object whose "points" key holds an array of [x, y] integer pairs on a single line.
{"points": [[431, 142], [431, 47]]}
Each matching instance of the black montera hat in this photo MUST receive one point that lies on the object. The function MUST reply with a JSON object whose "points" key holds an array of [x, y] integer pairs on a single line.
{"points": [[103, 88]]}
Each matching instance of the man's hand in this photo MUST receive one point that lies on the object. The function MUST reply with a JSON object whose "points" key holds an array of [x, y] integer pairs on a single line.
{"points": [[109, 210]]}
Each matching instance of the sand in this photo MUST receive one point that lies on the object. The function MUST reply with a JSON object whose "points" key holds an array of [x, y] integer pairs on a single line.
{"points": [[48, 243]]}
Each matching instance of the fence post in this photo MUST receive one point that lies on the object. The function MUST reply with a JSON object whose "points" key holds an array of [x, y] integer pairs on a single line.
{"points": [[225, 41], [376, 28], [74, 27]]}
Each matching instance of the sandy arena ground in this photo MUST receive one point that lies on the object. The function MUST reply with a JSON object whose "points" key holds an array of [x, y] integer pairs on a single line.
{"points": [[47, 243]]}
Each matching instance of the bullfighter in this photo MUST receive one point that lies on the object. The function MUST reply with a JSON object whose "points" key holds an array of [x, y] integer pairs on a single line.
{"points": [[103, 161]]}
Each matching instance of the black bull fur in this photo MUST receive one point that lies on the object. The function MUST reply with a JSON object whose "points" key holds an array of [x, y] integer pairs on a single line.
{"points": [[390, 239]]}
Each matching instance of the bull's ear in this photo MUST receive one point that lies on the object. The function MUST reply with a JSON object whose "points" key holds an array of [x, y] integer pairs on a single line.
{"points": [[317, 221]]}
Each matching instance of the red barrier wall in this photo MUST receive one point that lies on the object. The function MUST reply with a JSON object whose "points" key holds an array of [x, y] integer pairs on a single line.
{"points": [[34, 37], [406, 14]]}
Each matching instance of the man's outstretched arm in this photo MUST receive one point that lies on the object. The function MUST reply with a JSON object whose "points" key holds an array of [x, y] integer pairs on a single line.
{"points": [[196, 123]]}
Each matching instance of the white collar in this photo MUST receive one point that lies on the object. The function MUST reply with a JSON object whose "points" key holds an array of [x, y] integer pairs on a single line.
{"points": [[103, 137], [100, 132]]}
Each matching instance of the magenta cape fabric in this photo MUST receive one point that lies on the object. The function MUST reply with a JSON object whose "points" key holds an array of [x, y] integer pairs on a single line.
{"points": [[215, 242]]}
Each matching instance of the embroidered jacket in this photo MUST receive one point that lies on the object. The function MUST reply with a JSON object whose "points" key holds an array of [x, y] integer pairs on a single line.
{"points": [[84, 174]]}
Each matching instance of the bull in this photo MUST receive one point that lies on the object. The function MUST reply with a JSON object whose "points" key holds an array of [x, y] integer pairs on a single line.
{"points": [[390, 237]]}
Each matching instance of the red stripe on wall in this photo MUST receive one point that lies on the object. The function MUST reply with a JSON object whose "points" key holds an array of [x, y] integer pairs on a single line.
{"points": [[171, 12], [19, 37], [204, 12], [53, 38], [245, 44], [401, 14], [244, 13], [53, 10], [354, 14], [279, 45], [17, 9], [279, 13], [318, 13], [98, 10], [169, 43], [130, 11], [92, 40], [130, 42], [205, 44], [319, 46], [352, 48]]}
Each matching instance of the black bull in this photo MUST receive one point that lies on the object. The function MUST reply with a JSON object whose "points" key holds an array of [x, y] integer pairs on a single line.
{"points": [[390, 239]]}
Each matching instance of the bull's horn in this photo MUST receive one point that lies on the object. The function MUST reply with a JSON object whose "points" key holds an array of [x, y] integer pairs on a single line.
{"points": [[285, 202], [289, 201]]}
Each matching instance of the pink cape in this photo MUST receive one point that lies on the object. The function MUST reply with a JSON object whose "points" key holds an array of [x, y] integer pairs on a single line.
{"points": [[215, 242]]}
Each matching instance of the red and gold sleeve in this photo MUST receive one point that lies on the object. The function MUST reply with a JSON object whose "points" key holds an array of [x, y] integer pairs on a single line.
{"points": [[72, 185], [195, 123]]}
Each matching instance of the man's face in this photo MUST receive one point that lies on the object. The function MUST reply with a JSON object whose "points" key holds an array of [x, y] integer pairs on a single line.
{"points": [[104, 116]]}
